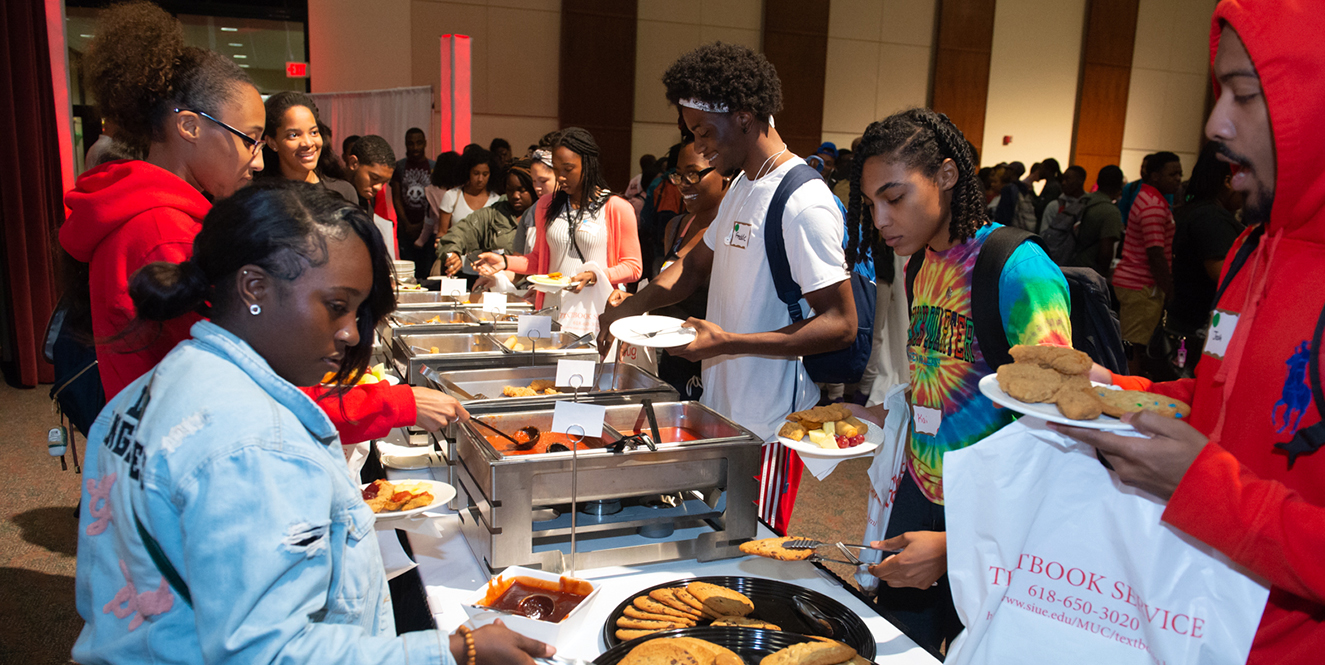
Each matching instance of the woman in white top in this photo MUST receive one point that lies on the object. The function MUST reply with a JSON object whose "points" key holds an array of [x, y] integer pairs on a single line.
{"points": [[457, 203], [582, 222]]}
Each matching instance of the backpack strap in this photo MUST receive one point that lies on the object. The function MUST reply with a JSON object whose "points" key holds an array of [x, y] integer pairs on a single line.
{"points": [[1240, 259], [994, 254], [775, 246]]}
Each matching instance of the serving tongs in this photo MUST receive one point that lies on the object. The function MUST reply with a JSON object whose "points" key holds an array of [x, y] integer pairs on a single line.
{"points": [[811, 544], [635, 440]]}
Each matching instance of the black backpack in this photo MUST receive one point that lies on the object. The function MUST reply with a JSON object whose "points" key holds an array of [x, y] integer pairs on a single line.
{"points": [[1095, 329], [843, 366], [77, 389]]}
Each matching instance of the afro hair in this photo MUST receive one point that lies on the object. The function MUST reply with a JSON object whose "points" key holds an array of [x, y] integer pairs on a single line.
{"points": [[730, 74]]}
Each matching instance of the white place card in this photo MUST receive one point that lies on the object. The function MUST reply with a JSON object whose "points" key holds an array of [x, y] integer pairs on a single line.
{"points": [[494, 303], [452, 286], [530, 325], [573, 418], [575, 374]]}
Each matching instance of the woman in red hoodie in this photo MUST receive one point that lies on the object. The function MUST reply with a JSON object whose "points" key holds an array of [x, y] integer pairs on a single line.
{"points": [[1245, 473], [199, 120]]}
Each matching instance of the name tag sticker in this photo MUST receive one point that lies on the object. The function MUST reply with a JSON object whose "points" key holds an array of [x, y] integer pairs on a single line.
{"points": [[739, 236], [1222, 325], [927, 420]]}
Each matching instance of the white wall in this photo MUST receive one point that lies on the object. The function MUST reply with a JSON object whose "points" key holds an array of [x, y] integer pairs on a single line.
{"points": [[1170, 77], [1033, 70], [664, 31], [878, 62]]}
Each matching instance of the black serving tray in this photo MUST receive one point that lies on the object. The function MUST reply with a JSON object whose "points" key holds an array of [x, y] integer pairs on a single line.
{"points": [[773, 603]]}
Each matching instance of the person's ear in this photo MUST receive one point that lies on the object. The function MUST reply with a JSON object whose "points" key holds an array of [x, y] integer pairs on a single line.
{"points": [[948, 175], [188, 125], [1228, 182], [352, 162], [256, 287], [743, 120]]}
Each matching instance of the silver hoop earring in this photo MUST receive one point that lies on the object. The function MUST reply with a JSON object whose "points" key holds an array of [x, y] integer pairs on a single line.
{"points": [[254, 309]]}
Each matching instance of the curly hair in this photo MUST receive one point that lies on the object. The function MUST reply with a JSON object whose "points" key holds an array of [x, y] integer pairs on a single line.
{"points": [[140, 70], [729, 74], [919, 139]]}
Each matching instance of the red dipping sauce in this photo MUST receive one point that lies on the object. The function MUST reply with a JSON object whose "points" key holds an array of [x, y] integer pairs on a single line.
{"points": [[673, 434], [537, 599], [545, 439]]}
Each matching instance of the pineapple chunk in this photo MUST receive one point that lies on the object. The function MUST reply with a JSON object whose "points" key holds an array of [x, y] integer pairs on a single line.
{"points": [[822, 439], [830, 428]]}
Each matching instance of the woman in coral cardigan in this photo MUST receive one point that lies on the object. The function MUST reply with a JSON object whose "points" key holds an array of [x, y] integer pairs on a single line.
{"points": [[581, 222]]}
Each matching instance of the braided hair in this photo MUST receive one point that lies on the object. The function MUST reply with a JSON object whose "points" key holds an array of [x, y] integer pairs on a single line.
{"points": [[582, 143], [920, 139]]}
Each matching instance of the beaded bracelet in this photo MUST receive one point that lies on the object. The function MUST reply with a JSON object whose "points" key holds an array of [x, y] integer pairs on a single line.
{"points": [[470, 653]]}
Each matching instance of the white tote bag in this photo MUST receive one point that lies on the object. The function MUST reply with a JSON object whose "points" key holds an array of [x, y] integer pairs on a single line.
{"points": [[579, 311], [885, 473], [1053, 560]]}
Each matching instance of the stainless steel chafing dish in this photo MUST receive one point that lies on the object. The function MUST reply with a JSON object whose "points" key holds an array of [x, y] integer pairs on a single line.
{"points": [[424, 300], [482, 351], [480, 391], [686, 499], [417, 322]]}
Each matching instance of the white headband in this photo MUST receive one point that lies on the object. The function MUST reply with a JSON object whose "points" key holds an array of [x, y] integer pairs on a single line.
{"points": [[691, 102], [544, 156], [698, 105]]}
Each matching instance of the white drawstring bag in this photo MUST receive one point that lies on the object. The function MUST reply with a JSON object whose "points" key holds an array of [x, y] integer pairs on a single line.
{"points": [[1053, 560], [885, 473], [579, 311]]}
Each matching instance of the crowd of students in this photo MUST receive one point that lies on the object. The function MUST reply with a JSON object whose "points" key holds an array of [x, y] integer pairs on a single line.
{"points": [[233, 260]]}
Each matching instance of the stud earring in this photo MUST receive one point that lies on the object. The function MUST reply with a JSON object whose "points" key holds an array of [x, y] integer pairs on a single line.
{"points": [[254, 309]]}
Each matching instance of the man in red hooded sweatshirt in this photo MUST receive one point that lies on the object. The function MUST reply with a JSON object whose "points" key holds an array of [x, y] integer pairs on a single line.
{"points": [[1244, 473]]}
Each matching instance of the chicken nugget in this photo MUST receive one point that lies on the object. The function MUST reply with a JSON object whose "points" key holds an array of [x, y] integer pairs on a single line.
{"points": [[792, 431], [1029, 383], [1079, 404], [540, 385], [1064, 359]]}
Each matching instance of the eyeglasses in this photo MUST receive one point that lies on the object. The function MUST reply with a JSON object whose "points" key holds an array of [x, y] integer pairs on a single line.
{"points": [[692, 178], [253, 145]]}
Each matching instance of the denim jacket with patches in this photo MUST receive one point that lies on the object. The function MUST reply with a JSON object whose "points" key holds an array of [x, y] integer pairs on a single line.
{"points": [[239, 478]]}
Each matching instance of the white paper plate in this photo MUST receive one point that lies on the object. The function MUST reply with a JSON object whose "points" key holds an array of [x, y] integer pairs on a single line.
{"points": [[441, 494], [395, 456], [544, 280], [1049, 412], [873, 439], [632, 330]]}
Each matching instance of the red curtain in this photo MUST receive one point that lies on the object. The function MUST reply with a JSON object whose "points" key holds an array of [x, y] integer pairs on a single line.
{"points": [[31, 191]]}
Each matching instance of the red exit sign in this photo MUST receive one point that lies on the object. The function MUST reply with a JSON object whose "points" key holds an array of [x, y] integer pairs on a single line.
{"points": [[296, 70]]}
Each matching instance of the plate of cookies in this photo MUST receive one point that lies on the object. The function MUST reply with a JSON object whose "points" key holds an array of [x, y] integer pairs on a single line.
{"points": [[726, 646], [734, 603], [1053, 383], [830, 431]]}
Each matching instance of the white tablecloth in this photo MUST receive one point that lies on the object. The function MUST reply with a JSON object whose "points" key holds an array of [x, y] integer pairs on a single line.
{"points": [[450, 573]]}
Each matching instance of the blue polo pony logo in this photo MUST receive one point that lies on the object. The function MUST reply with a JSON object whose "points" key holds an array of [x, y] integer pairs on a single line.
{"points": [[1297, 393]]}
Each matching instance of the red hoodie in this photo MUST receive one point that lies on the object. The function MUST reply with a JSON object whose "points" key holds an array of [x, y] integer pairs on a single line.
{"points": [[1240, 495], [124, 215]]}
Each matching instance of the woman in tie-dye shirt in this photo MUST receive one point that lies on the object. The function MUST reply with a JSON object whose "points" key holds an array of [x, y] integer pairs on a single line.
{"points": [[915, 189]]}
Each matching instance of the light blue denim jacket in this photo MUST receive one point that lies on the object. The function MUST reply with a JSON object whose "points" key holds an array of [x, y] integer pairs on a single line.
{"points": [[240, 479]]}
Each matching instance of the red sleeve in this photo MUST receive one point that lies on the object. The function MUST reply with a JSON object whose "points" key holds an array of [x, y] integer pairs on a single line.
{"points": [[629, 264], [1258, 523], [1183, 389], [367, 412]]}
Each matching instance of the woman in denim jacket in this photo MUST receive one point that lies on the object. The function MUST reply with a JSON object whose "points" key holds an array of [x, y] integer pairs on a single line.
{"points": [[219, 522]]}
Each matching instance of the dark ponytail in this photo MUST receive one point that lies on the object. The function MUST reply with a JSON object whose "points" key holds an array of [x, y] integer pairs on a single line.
{"points": [[282, 226], [163, 291], [140, 70], [919, 139]]}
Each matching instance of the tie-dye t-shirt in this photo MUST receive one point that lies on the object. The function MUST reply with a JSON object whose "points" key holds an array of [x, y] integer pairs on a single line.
{"points": [[946, 362]]}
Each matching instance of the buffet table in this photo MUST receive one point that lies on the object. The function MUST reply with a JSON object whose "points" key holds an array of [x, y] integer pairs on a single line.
{"points": [[450, 573]]}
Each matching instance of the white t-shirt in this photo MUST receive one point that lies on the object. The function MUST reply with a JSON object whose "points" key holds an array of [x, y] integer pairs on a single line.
{"points": [[453, 201], [759, 391], [590, 238]]}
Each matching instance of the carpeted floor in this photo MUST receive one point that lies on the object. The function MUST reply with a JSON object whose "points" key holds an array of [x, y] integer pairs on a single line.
{"points": [[38, 622]]}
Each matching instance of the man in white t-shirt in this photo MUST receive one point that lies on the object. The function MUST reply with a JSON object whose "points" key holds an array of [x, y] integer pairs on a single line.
{"points": [[750, 349]]}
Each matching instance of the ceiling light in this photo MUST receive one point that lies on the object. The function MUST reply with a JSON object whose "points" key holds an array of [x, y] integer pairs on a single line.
{"points": [[244, 66], [87, 36], [240, 56], [229, 29], [235, 44]]}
